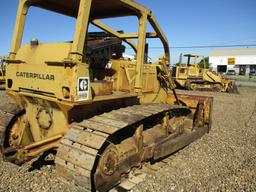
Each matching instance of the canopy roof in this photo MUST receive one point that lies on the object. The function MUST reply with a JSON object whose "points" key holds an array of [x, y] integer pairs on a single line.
{"points": [[99, 9], [192, 55]]}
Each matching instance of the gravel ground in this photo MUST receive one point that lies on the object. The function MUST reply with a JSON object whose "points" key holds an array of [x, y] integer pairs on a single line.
{"points": [[223, 160]]}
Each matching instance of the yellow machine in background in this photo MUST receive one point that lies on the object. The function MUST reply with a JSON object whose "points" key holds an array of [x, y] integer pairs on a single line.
{"points": [[193, 77], [103, 114], [2, 73]]}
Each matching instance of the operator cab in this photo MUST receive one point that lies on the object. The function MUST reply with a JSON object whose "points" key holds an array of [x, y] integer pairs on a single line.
{"points": [[92, 64]]}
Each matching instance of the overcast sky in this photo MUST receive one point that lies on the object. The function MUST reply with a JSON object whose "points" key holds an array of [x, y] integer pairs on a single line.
{"points": [[185, 23]]}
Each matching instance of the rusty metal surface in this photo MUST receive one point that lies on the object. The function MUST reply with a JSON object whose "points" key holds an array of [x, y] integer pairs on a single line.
{"points": [[2, 84], [97, 151], [192, 102], [12, 132], [8, 113]]}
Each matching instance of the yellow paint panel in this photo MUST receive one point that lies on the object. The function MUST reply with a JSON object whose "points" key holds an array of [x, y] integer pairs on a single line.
{"points": [[231, 61]]}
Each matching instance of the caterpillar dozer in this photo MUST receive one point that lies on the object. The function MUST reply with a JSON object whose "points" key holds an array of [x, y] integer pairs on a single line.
{"points": [[193, 77], [104, 115], [2, 73]]}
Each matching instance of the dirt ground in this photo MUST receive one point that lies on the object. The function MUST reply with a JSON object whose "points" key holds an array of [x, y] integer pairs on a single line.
{"points": [[223, 160]]}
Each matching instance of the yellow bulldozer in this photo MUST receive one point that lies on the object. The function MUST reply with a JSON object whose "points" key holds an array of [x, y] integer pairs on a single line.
{"points": [[2, 73], [192, 76], [104, 115]]}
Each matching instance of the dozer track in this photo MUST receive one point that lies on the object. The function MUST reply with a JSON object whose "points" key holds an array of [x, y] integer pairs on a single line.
{"points": [[2, 85], [210, 86], [95, 158], [8, 114]]}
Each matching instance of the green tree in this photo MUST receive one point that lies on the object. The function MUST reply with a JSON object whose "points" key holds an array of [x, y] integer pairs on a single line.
{"points": [[201, 63]]}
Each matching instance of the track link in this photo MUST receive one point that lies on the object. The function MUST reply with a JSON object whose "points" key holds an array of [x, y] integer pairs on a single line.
{"points": [[81, 147], [8, 113], [202, 86], [138, 176], [2, 82], [2, 86]]}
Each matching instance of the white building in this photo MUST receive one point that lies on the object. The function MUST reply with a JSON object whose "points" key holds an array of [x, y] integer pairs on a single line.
{"points": [[241, 60]]}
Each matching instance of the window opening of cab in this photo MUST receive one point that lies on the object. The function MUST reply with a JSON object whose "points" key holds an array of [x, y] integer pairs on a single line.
{"points": [[154, 46], [47, 26], [102, 45], [124, 25], [129, 25]]}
